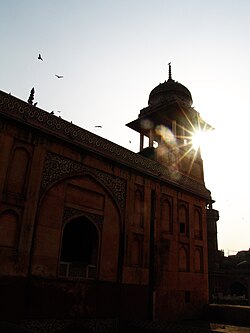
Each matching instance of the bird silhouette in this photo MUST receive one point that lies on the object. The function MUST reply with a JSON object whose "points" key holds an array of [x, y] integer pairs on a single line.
{"points": [[98, 126], [59, 76], [40, 57]]}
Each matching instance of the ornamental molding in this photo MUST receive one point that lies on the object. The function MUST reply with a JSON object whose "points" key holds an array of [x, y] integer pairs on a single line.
{"points": [[57, 167], [29, 115], [70, 213]]}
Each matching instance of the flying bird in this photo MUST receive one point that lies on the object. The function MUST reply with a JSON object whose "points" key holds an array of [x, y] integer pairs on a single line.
{"points": [[98, 126], [40, 57], [59, 76]]}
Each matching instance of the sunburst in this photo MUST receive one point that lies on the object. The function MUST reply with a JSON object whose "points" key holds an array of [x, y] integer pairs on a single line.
{"points": [[190, 143], [195, 139]]}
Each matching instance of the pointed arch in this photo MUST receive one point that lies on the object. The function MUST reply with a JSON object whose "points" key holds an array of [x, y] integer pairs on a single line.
{"points": [[80, 195], [58, 168], [18, 171], [198, 260], [79, 249], [136, 250], [166, 216], [238, 289], [197, 224], [183, 219], [183, 259], [138, 207]]}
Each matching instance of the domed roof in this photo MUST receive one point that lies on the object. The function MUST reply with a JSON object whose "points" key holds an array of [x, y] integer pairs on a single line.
{"points": [[170, 88]]}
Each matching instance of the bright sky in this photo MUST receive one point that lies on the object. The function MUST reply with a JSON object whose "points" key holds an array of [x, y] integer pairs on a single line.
{"points": [[112, 53]]}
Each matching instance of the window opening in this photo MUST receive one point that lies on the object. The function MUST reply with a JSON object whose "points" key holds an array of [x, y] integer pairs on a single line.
{"points": [[182, 228], [79, 249], [187, 296]]}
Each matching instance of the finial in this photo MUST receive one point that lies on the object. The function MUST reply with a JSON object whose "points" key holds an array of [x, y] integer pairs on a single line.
{"points": [[169, 71]]}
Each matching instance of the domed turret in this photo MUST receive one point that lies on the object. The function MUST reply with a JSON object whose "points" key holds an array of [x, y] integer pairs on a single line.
{"points": [[169, 89]]}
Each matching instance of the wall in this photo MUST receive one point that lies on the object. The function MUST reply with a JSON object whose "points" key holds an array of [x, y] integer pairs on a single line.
{"points": [[152, 253]]}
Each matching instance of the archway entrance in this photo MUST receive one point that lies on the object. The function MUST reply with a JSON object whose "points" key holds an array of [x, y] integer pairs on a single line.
{"points": [[238, 293], [79, 250], [238, 289]]}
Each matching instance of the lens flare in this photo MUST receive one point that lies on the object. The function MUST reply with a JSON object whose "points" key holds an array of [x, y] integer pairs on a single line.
{"points": [[197, 139], [146, 124], [166, 134]]}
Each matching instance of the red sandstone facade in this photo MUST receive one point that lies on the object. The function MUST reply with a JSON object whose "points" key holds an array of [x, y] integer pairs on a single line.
{"points": [[91, 229]]}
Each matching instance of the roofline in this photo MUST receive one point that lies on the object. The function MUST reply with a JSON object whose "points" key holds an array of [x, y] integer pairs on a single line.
{"points": [[31, 116]]}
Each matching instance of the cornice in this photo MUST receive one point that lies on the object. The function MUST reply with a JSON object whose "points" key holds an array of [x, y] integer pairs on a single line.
{"points": [[18, 110]]}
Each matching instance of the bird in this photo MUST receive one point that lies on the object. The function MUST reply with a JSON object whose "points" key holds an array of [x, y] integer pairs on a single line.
{"points": [[52, 112], [40, 57], [59, 76], [98, 126]]}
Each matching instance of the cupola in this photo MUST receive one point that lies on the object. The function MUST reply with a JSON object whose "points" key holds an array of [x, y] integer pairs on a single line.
{"points": [[168, 90]]}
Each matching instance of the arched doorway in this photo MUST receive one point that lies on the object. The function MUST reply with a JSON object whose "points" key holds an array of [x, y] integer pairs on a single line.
{"points": [[238, 289], [79, 249], [238, 293]]}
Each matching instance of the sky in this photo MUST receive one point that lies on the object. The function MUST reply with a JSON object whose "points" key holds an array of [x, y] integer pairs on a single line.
{"points": [[113, 53]]}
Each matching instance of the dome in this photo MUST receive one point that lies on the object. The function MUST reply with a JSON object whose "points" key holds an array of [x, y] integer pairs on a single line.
{"points": [[170, 88], [167, 90]]}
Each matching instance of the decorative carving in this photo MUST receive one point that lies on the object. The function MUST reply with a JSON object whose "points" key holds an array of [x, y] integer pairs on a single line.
{"points": [[72, 212], [57, 167], [40, 119]]}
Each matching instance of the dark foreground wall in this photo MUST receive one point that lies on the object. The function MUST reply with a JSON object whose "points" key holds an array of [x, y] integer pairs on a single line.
{"points": [[50, 298], [232, 314]]}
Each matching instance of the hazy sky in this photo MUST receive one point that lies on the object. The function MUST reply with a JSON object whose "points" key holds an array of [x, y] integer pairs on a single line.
{"points": [[113, 53]]}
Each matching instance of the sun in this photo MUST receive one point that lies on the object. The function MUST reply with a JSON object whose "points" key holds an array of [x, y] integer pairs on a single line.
{"points": [[198, 139]]}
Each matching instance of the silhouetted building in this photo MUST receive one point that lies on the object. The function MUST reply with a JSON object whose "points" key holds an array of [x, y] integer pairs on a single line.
{"points": [[91, 229], [229, 276]]}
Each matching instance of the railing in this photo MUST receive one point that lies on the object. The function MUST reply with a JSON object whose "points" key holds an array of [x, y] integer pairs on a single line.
{"points": [[220, 298], [77, 270]]}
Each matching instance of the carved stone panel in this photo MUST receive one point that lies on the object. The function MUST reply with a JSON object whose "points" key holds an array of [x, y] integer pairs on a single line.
{"points": [[58, 167], [70, 213]]}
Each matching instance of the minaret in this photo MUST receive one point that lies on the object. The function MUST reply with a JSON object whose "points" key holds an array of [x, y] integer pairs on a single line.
{"points": [[168, 123]]}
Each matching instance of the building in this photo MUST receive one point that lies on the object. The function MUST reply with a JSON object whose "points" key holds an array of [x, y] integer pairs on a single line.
{"points": [[229, 276], [90, 229]]}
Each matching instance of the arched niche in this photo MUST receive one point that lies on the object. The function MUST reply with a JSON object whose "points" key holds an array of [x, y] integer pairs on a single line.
{"points": [[183, 219], [138, 207], [197, 224], [183, 259], [198, 260], [136, 250], [70, 198], [238, 289], [166, 216], [18, 170]]}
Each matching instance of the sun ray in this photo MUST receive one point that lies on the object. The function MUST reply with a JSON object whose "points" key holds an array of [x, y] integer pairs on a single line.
{"points": [[186, 142]]}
